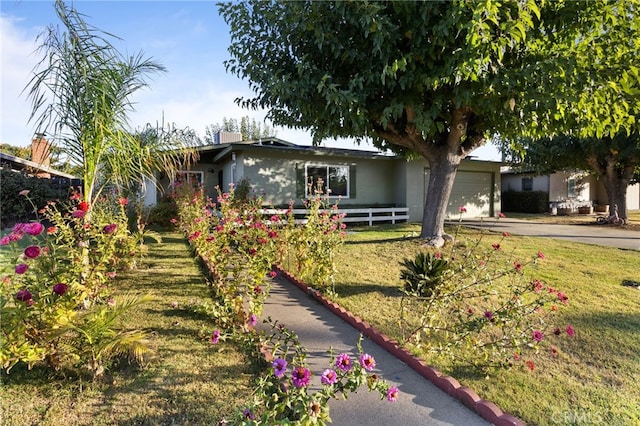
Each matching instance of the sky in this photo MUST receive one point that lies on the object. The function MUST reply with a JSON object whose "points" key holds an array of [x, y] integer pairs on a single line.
{"points": [[189, 38]]}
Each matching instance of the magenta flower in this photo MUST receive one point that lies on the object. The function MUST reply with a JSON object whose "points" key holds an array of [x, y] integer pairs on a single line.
{"points": [[110, 228], [279, 367], [563, 298], [392, 394], [215, 337], [253, 320], [300, 377], [495, 246], [60, 289], [4, 241], [24, 295], [273, 274], [21, 268], [248, 414], [537, 335], [462, 209], [78, 214], [488, 315], [517, 266], [329, 377], [32, 252], [367, 362], [541, 255], [343, 362], [34, 228], [570, 330]]}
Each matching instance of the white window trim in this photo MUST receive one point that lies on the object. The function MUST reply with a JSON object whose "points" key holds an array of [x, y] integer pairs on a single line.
{"points": [[327, 166], [191, 172]]}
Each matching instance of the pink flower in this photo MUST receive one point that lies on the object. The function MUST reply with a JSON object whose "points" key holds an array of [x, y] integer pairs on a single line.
{"points": [[253, 320], [78, 214], [273, 274], [32, 252], [111, 274], [462, 209], [392, 394], [123, 201], [570, 331], [60, 289], [530, 365], [215, 337], [489, 315], [343, 362], [563, 298], [517, 266], [51, 230], [21, 268], [4, 241], [111, 302], [367, 362], [24, 192], [34, 228], [506, 234], [300, 377], [537, 335], [110, 228], [24, 295], [329, 377], [500, 214], [495, 246], [541, 255]]}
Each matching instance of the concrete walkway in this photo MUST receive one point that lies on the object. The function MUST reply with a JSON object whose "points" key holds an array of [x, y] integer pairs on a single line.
{"points": [[603, 235], [420, 402]]}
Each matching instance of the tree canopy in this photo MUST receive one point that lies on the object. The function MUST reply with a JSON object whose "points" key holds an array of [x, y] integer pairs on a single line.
{"points": [[249, 128], [438, 78]]}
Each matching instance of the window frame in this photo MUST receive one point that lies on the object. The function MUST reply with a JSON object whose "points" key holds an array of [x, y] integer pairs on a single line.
{"points": [[529, 184], [180, 174], [346, 170]]}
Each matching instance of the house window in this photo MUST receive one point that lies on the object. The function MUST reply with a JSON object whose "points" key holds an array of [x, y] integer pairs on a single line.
{"points": [[571, 188], [195, 179], [331, 180], [527, 184]]}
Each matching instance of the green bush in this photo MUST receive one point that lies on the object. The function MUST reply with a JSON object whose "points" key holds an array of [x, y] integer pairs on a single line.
{"points": [[423, 274], [525, 202], [19, 209]]}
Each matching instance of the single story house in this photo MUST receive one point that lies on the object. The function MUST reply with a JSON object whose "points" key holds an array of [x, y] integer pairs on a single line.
{"points": [[576, 188], [355, 178]]}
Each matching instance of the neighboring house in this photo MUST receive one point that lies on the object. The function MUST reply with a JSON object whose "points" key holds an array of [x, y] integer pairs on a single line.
{"points": [[39, 166], [356, 179], [567, 188]]}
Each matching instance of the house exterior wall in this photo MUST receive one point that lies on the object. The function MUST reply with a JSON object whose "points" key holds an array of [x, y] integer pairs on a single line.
{"points": [[274, 174], [513, 182], [415, 176], [559, 186]]}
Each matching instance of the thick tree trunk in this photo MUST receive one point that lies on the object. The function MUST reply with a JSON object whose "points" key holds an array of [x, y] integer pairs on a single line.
{"points": [[616, 179], [442, 174]]}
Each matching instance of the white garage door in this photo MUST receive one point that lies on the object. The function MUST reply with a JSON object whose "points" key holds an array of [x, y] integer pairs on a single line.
{"points": [[473, 190]]}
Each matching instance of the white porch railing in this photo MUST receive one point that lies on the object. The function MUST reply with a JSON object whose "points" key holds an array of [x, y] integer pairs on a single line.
{"points": [[362, 215]]}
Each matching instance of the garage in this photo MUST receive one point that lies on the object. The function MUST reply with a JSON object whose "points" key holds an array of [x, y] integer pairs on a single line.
{"points": [[472, 189]]}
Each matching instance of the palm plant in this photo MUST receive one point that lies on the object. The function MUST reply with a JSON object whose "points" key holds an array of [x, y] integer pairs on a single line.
{"points": [[423, 275], [81, 93]]}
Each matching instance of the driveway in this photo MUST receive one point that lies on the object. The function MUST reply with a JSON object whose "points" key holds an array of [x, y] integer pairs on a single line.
{"points": [[604, 235]]}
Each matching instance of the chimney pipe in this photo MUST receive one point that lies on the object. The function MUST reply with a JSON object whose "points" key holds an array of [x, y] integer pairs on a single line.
{"points": [[41, 150]]}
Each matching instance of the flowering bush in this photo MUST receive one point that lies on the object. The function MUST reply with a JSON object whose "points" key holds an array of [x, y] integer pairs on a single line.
{"points": [[284, 395], [483, 309], [59, 285], [312, 245]]}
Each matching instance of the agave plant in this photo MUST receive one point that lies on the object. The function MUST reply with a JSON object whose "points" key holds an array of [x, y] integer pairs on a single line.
{"points": [[423, 275]]}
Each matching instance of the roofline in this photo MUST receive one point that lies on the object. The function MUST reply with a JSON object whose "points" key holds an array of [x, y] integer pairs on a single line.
{"points": [[34, 165]]}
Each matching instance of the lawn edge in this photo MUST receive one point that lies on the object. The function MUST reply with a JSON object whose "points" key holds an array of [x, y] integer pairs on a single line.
{"points": [[485, 409]]}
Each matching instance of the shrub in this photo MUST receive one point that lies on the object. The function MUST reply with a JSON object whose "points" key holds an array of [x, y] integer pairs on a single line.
{"points": [[57, 305], [525, 202], [486, 311]]}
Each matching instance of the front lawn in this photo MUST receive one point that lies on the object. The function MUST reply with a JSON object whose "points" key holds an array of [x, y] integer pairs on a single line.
{"points": [[594, 378], [187, 381]]}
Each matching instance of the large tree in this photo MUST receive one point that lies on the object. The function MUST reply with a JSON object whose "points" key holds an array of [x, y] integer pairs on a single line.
{"points": [[616, 160], [249, 128], [434, 78], [81, 94]]}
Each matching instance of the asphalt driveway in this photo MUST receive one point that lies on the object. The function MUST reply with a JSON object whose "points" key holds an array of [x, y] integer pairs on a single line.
{"points": [[603, 235]]}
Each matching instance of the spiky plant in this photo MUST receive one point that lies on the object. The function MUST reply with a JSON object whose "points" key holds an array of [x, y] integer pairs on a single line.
{"points": [[423, 274]]}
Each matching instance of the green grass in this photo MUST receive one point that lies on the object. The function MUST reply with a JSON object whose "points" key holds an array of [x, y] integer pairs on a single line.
{"points": [[597, 371], [633, 221], [188, 381]]}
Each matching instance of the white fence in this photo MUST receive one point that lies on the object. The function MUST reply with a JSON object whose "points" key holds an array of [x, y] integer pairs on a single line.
{"points": [[364, 215]]}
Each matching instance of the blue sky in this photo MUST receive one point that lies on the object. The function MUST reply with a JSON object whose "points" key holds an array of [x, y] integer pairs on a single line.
{"points": [[188, 37]]}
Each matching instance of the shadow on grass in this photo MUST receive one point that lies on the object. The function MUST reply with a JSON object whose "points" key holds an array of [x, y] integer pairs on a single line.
{"points": [[621, 322], [352, 289]]}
